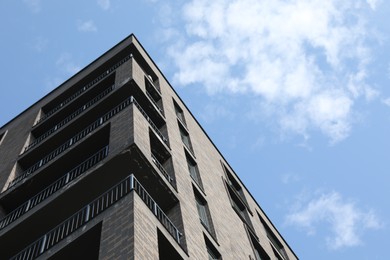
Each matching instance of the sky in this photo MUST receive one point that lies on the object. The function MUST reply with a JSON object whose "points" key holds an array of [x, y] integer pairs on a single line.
{"points": [[294, 93]]}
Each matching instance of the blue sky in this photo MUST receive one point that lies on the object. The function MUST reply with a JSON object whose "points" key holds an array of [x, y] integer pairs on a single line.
{"points": [[295, 94]]}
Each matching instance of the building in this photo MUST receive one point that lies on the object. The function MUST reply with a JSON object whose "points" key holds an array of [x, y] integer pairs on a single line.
{"points": [[112, 165]]}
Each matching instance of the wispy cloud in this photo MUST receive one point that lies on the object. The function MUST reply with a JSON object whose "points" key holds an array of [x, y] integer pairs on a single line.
{"points": [[386, 101], [40, 44], [87, 26], [344, 222], [66, 67], [306, 61], [66, 64], [34, 5], [104, 4]]}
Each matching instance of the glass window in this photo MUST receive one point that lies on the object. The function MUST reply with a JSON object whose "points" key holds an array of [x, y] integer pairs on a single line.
{"points": [[179, 113], [185, 137], [194, 171]]}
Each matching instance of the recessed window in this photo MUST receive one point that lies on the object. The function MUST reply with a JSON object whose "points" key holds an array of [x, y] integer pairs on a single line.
{"points": [[194, 171], [258, 251], [212, 252], [185, 137], [179, 113], [234, 185], [277, 246], [240, 208], [204, 213]]}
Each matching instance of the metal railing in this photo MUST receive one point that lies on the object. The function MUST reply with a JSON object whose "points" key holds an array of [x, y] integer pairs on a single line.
{"points": [[81, 135], [83, 89], [70, 117], [94, 209], [155, 103], [152, 125], [163, 171], [68, 143], [54, 187], [150, 80]]}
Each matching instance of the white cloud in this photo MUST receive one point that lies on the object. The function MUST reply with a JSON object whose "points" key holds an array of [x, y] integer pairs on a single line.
{"points": [[34, 5], [104, 4], [307, 60], [386, 101], [344, 222], [289, 178], [373, 3], [66, 65], [87, 26]]}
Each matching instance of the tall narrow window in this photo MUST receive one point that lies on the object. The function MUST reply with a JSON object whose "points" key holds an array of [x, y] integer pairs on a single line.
{"points": [[179, 113], [234, 185], [212, 252], [258, 251], [237, 198], [204, 213], [240, 208], [194, 171], [185, 137], [277, 246]]}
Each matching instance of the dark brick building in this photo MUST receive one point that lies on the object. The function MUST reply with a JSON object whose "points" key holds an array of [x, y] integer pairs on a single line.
{"points": [[112, 165]]}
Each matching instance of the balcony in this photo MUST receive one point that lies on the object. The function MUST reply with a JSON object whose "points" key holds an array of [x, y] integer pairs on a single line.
{"points": [[67, 119], [61, 149], [54, 187], [83, 89], [152, 125], [94, 209], [163, 171]]}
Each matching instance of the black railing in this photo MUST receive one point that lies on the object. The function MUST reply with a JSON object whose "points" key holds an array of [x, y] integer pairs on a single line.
{"points": [[82, 134], [163, 171], [83, 89], [70, 117], [54, 187], [157, 106], [94, 209], [152, 125], [151, 82]]}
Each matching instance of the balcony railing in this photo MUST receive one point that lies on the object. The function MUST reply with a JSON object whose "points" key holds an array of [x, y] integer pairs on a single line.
{"points": [[54, 187], [81, 135], [155, 103], [70, 117], [83, 89], [152, 125], [91, 211], [163, 171]]}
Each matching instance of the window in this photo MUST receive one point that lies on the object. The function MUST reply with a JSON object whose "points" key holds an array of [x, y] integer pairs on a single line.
{"points": [[235, 186], [277, 246], [179, 113], [259, 252], [204, 213], [194, 171], [212, 252], [237, 197], [185, 137], [240, 208]]}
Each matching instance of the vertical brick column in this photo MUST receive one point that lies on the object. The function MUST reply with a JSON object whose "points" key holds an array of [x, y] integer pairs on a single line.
{"points": [[117, 237]]}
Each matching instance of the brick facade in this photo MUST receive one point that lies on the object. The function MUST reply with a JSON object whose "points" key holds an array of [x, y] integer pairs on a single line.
{"points": [[102, 172]]}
